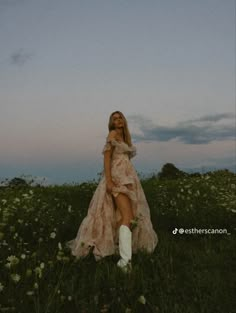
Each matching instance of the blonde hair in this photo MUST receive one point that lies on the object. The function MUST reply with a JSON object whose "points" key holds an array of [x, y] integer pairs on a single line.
{"points": [[126, 133]]}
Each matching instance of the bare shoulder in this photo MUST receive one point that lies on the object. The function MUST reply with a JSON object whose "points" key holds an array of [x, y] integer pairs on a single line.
{"points": [[112, 135]]}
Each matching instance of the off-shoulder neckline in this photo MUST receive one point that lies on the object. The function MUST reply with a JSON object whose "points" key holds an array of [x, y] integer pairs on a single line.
{"points": [[120, 142]]}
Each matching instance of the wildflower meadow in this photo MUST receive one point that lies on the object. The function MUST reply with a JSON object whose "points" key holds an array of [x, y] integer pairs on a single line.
{"points": [[192, 269]]}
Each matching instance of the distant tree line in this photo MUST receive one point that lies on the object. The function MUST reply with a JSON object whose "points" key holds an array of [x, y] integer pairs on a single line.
{"points": [[168, 171]]}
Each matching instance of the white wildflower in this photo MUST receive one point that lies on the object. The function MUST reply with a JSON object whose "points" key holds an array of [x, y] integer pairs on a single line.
{"points": [[13, 259], [42, 265], [15, 277], [142, 299], [53, 235], [38, 271]]}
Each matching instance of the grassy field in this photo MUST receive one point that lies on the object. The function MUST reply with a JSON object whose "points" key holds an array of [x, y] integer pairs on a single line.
{"points": [[187, 273]]}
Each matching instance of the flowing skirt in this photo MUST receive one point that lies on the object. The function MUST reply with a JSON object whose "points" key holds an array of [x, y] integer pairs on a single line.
{"points": [[98, 231]]}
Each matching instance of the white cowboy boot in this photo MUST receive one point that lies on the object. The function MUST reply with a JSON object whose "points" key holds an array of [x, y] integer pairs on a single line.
{"points": [[125, 248]]}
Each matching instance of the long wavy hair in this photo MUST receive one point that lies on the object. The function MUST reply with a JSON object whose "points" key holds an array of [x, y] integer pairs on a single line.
{"points": [[126, 133]]}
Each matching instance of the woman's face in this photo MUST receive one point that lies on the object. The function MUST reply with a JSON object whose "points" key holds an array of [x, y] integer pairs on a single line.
{"points": [[117, 120]]}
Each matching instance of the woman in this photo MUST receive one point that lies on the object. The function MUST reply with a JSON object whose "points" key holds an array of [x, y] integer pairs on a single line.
{"points": [[118, 219]]}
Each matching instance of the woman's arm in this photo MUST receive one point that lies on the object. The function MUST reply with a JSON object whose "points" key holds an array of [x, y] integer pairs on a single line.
{"points": [[107, 157], [107, 165]]}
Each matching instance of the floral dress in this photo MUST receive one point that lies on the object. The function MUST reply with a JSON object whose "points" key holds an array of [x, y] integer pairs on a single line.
{"points": [[98, 231]]}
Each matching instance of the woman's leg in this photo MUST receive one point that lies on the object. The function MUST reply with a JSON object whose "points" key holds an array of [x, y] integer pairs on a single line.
{"points": [[123, 203]]}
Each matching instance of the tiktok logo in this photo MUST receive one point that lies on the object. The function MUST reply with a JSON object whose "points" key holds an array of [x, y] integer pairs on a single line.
{"points": [[175, 231]]}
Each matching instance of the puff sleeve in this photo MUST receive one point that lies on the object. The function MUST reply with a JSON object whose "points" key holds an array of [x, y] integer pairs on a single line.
{"points": [[133, 152], [108, 145]]}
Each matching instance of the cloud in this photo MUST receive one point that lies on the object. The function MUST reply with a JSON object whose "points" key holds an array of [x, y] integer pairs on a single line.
{"points": [[212, 118], [189, 131], [20, 57]]}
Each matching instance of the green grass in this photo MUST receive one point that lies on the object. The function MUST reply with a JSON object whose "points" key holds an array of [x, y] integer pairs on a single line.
{"points": [[187, 273]]}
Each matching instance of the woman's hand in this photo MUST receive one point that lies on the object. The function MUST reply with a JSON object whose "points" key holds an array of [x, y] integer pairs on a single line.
{"points": [[110, 184]]}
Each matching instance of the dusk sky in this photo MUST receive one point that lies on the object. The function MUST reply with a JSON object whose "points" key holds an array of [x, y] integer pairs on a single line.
{"points": [[66, 65]]}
